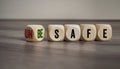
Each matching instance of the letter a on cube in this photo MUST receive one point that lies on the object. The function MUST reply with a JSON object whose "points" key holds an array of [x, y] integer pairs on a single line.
{"points": [[72, 32]]}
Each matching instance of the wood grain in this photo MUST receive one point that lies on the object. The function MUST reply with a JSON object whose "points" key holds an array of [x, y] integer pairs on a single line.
{"points": [[16, 53]]}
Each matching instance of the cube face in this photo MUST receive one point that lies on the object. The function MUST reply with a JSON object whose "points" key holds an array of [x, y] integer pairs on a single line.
{"points": [[72, 32], [104, 32], [34, 32], [88, 32], [29, 33], [56, 32]]}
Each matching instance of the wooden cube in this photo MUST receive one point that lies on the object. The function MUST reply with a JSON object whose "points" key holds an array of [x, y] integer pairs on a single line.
{"points": [[56, 32], [34, 32], [88, 32], [104, 32], [72, 32]]}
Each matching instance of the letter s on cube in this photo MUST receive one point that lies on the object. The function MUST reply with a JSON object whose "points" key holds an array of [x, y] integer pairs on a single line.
{"points": [[56, 32]]}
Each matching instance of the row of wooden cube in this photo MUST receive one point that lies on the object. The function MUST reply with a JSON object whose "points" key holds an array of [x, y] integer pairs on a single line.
{"points": [[69, 32]]}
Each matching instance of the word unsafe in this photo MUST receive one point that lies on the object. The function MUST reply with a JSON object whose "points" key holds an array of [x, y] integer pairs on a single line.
{"points": [[69, 32]]}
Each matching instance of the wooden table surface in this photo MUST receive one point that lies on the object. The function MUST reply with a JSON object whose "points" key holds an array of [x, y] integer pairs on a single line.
{"points": [[16, 53]]}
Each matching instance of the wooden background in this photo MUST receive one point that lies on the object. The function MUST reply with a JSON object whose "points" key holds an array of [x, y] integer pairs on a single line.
{"points": [[16, 53]]}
